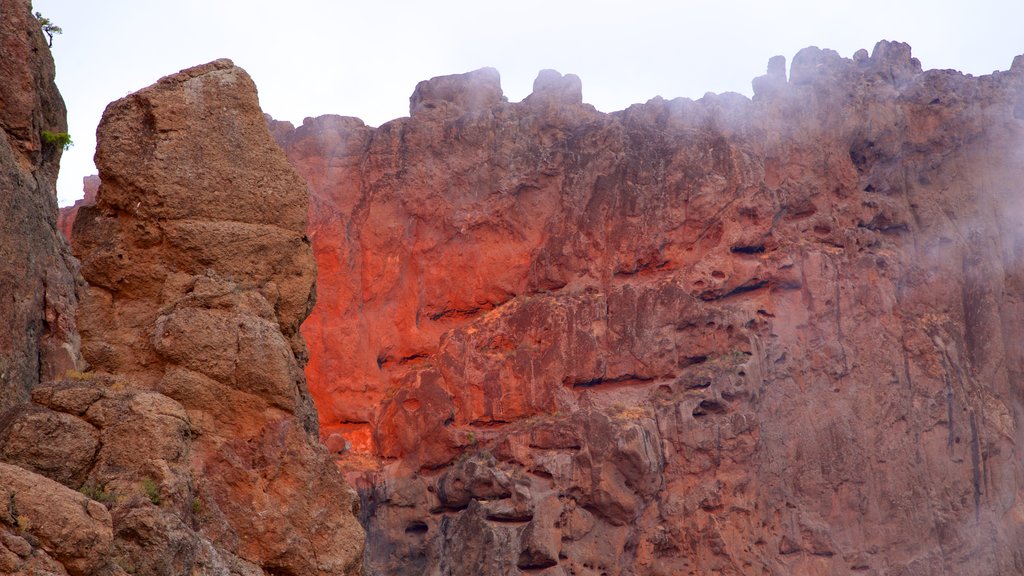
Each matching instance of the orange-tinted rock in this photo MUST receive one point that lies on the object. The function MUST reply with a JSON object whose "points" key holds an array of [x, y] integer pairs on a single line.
{"points": [[199, 273], [731, 336]]}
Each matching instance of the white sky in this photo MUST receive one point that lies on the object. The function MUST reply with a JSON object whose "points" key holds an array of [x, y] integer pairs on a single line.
{"points": [[364, 58]]}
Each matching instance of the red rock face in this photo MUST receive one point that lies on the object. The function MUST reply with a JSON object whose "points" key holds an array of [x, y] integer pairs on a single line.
{"points": [[38, 339], [732, 336]]}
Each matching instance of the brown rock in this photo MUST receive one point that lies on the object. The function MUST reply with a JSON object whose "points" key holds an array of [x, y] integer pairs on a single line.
{"points": [[260, 240], [71, 528], [38, 340], [772, 335], [473, 92], [199, 275], [57, 445]]}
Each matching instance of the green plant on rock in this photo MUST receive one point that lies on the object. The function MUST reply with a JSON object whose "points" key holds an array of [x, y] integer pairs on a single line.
{"points": [[62, 139], [97, 492], [49, 28], [152, 490]]}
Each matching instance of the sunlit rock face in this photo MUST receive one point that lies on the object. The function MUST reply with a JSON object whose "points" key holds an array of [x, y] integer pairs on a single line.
{"points": [[777, 335]]}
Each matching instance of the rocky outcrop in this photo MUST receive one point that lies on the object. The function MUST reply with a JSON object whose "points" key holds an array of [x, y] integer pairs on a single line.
{"points": [[775, 335], [38, 339], [190, 445], [199, 275]]}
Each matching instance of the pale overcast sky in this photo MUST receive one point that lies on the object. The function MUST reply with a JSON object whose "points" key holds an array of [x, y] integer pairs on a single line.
{"points": [[364, 58]]}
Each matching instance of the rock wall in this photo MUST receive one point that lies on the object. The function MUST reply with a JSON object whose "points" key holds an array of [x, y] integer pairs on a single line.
{"points": [[38, 339], [730, 336]]}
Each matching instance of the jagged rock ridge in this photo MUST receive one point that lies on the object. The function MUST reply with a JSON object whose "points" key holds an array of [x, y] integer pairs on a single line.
{"points": [[776, 335]]}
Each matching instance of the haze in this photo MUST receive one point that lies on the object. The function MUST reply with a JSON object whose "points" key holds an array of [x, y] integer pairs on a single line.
{"points": [[364, 59]]}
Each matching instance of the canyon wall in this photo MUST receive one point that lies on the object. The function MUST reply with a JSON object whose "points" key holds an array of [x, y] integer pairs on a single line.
{"points": [[182, 439], [777, 335], [38, 339]]}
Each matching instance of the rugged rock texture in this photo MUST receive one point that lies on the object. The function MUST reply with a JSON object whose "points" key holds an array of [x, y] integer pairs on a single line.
{"points": [[729, 336], [38, 339], [192, 435], [199, 275]]}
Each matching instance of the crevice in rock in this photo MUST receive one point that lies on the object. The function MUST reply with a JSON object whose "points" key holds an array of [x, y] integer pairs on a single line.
{"points": [[747, 249], [750, 286], [601, 381], [710, 406]]}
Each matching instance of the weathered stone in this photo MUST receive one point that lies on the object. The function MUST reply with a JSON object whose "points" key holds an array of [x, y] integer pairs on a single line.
{"points": [[199, 275], [59, 446], [38, 339], [74, 530], [736, 335]]}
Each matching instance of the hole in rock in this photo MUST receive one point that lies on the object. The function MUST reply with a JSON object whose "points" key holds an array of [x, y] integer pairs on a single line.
{"points": [[861, 154], [755, 249], [529, 560], [710, 407], [417, 527], [691, 360]]}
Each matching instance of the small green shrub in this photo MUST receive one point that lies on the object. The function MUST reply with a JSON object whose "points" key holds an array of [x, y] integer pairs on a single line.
{"points": [[49, 28], [62, 139], [97, 492], [197, 506], [152, 490]]}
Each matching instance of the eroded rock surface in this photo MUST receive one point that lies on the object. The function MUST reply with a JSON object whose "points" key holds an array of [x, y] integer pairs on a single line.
{"points": [[199, 275], [191, 442], [38, 339], [730, 336]]}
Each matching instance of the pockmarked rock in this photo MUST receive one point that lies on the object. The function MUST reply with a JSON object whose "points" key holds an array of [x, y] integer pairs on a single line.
{"points": [[731, 335]]}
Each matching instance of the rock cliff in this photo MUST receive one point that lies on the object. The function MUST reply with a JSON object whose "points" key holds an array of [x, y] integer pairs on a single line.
{"points": [[38, 339], [190, 445], [777, 335]]}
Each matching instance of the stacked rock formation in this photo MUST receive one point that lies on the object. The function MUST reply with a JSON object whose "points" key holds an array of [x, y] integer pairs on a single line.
{"points": [[776, 335], [189, 446]]}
